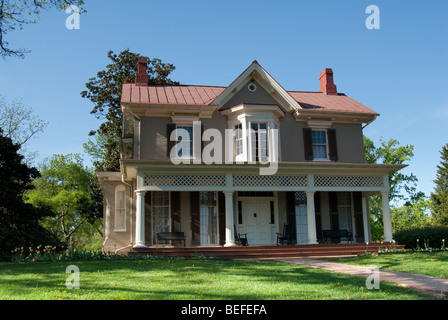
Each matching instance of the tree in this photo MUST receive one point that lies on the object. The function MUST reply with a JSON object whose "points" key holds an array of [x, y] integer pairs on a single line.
{"points": [[411, 216], [65, 187], [20, 124], [15, 14], [439, 198], [391, 152], [20, 223], [104, 91]]}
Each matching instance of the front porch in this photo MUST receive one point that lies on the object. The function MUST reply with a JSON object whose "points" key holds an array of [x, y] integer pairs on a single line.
{"points": [[210, 218], [209, 204], [267, 252]]}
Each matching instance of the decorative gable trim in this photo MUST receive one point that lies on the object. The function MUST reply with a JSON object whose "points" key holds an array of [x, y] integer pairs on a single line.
{"points": [[255, 71]]}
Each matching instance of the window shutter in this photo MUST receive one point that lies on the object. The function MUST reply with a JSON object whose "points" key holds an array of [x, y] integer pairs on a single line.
{"points": [[308, 144], [332, 146], [170, 127], [202, 141]]}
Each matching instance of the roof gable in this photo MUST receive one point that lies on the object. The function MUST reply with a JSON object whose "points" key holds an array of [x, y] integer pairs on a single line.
{"points": [[244, 95], [267, 82]]}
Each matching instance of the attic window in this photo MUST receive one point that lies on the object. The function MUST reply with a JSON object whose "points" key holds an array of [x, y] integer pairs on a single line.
{"points": [[252, 87]]}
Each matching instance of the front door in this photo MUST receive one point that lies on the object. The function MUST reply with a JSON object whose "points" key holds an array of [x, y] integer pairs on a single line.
{"points": [[256, 221]]}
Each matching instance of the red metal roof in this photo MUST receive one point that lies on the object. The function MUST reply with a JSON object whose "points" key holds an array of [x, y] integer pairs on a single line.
{"points": [[324, 102], [177, 95], [204, 95]]}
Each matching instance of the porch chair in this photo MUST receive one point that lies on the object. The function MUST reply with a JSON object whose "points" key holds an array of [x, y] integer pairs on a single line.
{"points": [[240, 238], [286, 236]]}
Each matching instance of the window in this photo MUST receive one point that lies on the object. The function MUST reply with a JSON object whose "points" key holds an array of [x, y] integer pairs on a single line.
{"points": [[184, 139], [120, 208], [240, 212], [160, 210], [208, 218], [319, 142], [344, 201], [238, 139], [272, 212], [259, 141], [252, 87]]}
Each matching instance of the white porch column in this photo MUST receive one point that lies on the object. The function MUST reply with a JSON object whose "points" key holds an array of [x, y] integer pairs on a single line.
{"points": [[140, 220], [230, 233], [311, 217], [386, 217], [365, 218]]}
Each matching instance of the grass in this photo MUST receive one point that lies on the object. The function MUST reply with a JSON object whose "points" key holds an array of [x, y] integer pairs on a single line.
{"points": [[433, 264], [188, 280]]}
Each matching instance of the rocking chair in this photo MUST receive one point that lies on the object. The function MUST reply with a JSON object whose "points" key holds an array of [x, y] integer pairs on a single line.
{"points": [[286, 236], [241, 238]]}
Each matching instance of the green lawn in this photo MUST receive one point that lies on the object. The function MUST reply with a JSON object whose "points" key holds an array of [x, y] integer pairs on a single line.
{"points": [[188, 280], [433, 264]]}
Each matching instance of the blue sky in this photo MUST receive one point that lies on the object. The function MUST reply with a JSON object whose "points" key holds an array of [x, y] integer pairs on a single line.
{"points": [[400, 70]]}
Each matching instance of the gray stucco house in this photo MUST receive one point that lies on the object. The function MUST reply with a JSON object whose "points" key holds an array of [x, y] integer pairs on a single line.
{"points": [[248, 158]]}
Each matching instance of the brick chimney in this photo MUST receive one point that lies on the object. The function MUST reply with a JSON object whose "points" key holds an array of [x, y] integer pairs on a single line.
{"points": [[327, 85], [141, 79]]}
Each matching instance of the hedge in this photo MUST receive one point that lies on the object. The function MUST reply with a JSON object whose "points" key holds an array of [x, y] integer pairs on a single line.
{"points": [[431, 237]]}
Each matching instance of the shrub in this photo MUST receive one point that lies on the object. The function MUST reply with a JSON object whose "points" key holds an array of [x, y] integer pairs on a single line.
{"points": [[430, 237]]}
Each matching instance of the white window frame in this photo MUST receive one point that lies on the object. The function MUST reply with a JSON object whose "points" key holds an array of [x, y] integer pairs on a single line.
{"points": [[327, 158], [248, 114], [118, 226], [258, 148], [239, 140]]}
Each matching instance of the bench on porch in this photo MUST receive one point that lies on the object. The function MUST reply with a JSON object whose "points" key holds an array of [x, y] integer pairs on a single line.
{"points": [[172, 236], [337, 234]]}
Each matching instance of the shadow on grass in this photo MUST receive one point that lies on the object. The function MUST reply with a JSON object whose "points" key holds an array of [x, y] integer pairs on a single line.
{"points": [[187, 280]]}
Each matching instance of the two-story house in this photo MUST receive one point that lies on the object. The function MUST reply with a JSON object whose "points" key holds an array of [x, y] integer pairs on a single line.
{"points": [[193, 156]]}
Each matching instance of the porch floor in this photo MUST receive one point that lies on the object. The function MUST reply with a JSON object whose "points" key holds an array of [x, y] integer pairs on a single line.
{"points": [[268, 252]]}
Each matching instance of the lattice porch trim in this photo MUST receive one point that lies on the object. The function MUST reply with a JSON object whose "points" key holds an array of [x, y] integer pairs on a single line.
{"points": [[184, 180], [269, 181], [348, 181], [235, 182]]}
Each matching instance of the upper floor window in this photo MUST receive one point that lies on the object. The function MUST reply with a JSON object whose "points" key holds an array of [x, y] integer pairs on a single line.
{"points": [[239, 140], [259, 141], [184, 141], [319, 142]]}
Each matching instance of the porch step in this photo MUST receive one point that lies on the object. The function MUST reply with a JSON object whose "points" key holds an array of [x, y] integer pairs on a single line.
{"points": [[268, 252]]}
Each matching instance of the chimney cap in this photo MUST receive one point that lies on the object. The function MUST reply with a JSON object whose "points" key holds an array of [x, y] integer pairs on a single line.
{"points": [[328, 71]]}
